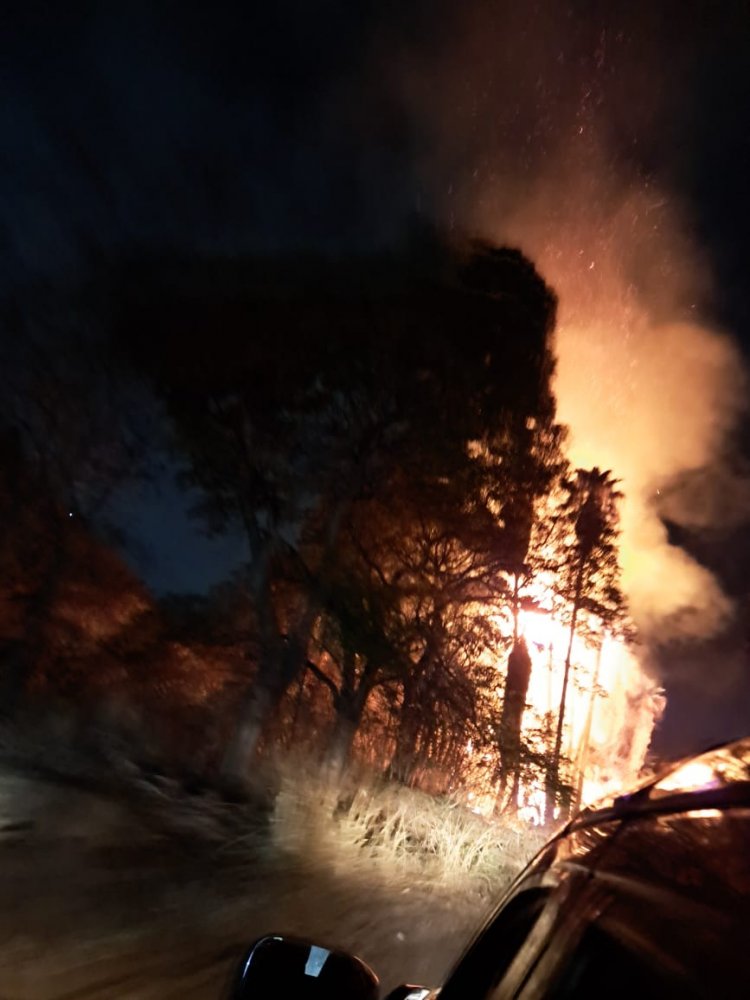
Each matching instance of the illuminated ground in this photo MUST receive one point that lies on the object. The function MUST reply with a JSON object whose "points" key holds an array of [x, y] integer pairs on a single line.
{"points": [[99, 902]]}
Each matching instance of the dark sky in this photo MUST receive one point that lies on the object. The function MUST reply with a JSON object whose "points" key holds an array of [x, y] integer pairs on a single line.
{"points": [[162, 541], [236, 125], [229, 127], [173, 123]]}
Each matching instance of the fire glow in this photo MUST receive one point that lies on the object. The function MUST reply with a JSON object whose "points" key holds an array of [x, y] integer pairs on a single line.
{"points": [[611, 709]]}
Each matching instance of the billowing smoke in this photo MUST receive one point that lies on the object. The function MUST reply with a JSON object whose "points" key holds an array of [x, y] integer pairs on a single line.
{"points": [[647, 389], [537, 129]]}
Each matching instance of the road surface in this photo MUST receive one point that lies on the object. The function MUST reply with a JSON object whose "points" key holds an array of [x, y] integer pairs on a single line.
{"points": [[96, 900]]}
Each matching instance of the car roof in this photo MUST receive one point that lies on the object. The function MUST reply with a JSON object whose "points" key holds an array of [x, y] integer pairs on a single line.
{"points": [[718, 778]]}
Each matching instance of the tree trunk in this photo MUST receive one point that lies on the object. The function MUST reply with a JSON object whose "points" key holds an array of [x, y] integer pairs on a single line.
{"points": [[296, 713], [553, 772], [583, 750], [283, 658], [402, 765], [350, 707], [342, 740], [256, 708], [514, 703], [402, 762], [282, 661]]}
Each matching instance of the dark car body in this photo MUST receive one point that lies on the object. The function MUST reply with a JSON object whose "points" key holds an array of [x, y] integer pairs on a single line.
{"points": [[644, 896]]}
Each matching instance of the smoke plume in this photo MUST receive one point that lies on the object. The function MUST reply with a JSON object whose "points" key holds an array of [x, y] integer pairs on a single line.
{"points": [[537, 129], [647, 389]]}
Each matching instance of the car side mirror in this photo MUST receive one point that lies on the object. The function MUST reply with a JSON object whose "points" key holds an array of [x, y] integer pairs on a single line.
{"points": [[277, 966]]}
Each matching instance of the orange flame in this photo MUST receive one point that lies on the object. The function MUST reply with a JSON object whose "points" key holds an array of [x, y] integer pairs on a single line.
{"points": [[612, 707]]}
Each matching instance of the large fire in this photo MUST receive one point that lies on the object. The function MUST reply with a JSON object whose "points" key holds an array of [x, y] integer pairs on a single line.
{"points": [[611, 709]]}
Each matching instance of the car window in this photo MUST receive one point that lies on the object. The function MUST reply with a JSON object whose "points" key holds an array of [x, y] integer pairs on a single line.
{"points": [[601, 966], [487, 959]]}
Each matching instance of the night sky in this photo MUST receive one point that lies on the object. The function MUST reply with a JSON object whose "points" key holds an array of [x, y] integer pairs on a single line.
{"points": [[226, 128], [295, 124]]}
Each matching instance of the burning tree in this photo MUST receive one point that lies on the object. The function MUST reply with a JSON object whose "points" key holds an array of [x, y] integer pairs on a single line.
{"points": [[522, 490], [587, 579]]}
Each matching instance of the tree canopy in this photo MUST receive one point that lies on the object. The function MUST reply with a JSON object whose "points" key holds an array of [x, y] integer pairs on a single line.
{"points": [[313, 399]]}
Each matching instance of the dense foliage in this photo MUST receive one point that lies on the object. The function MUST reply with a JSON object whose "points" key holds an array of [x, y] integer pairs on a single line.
{"points": [[382, 433]]}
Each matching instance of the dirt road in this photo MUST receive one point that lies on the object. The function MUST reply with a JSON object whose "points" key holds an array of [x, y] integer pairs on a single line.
{"points": [[97, 902]]}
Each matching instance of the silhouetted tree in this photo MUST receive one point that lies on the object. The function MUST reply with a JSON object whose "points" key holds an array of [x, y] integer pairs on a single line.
{"points": [[67, 444], [302, 388]]}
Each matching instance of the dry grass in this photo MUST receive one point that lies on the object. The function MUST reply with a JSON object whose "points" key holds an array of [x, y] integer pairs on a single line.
{"points": [[396, 834], [297, 815]]}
